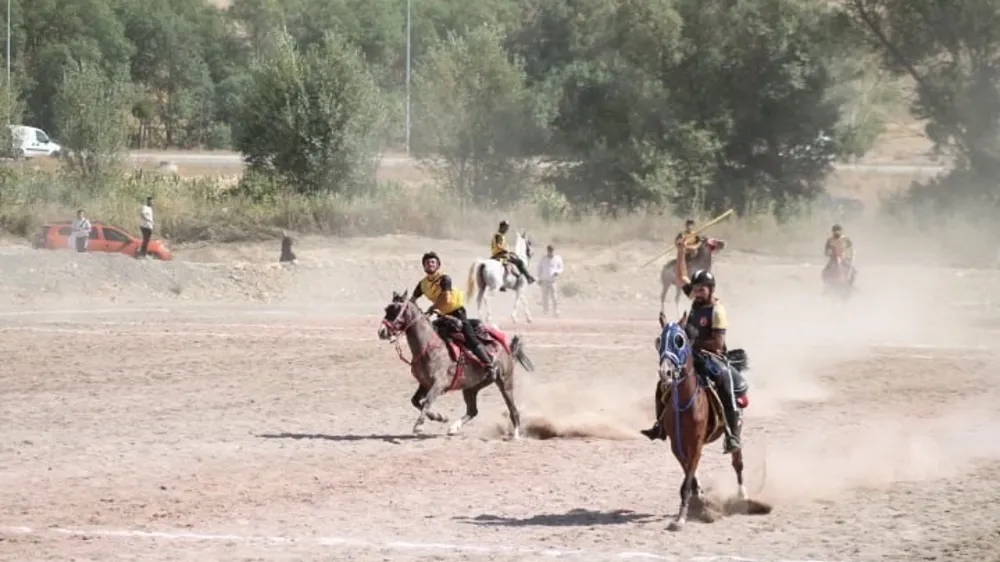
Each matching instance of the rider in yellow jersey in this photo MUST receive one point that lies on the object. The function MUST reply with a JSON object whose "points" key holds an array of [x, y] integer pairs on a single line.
{"points": [[449, 300], [499, 251], [839, 250]]}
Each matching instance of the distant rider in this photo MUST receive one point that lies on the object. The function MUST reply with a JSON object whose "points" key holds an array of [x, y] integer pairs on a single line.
{"points": [[499, 251], [839, 250], [708, 317], [450, 301]]}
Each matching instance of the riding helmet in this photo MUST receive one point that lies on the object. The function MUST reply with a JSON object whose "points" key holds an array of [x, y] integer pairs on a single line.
{"points": [[837, 228], [428, 256], [703, 277], [504, 223]]}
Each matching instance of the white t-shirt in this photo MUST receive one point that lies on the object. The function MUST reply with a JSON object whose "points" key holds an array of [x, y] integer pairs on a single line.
{"points": [[146, 217], [549, 268]]}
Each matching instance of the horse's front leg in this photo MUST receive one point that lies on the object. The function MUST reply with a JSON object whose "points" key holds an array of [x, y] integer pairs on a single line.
{"points": [[687, 489], [430, 395], [738, 468]]}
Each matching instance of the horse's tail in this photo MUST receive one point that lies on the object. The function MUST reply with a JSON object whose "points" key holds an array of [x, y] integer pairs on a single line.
{"points": [[471, 284], [517, 350]]}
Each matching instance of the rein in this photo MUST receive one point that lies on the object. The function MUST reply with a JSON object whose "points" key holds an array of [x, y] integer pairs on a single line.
{"points": [[395, 329]]}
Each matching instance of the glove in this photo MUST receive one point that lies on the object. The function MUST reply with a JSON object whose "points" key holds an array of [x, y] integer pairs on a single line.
{"points": [[430, 310]]}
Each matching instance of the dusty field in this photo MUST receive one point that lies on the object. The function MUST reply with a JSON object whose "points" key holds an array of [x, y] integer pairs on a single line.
{"points": [[210, 409]]}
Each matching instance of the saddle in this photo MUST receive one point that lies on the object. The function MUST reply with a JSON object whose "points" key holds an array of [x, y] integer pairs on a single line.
{"points": [[450, 330]]}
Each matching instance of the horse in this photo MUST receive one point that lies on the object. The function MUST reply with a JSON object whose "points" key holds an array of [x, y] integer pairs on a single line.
{"points": [[838, 277], [440, 363], [702, 259], [489, 275], [692, 416]]}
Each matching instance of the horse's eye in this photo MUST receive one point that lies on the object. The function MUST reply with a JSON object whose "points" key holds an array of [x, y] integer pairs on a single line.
{"points": [[678, 341]]}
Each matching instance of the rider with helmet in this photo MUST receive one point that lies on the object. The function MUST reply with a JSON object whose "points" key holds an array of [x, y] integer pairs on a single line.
{"points": [[839, 250], [708, 318], [450, 301], [499, 251]]}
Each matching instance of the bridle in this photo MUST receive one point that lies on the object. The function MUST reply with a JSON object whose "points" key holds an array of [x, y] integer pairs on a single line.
{"points": [[399, 326]]}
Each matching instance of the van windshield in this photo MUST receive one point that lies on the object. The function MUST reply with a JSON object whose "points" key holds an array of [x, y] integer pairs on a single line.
{"points": [[41, 137]]}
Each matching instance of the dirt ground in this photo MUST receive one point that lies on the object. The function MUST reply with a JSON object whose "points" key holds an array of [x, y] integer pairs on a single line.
{"points": [[222, 408]]}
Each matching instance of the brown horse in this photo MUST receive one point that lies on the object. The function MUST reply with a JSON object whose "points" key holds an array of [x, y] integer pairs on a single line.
{"points": [[702, 259], [692, 416], [440, 365], [838, 277]]}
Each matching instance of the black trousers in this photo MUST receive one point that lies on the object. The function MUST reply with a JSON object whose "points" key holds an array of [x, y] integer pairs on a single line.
{"points": [[471, 340], [81, 243], [147, 233]]}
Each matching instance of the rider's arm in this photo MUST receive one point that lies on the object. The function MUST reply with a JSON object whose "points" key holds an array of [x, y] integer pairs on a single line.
{"points": [[500, 242], [683, 280], [417, 293], [446, 287], [828, 248], [720, 323]]}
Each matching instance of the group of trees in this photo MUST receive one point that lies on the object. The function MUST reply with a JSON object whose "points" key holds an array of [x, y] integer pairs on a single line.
{"points": [[697, 104]]}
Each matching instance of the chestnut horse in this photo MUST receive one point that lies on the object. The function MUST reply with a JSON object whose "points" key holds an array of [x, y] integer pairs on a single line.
{"points": [[692, 415], [439, 365]]}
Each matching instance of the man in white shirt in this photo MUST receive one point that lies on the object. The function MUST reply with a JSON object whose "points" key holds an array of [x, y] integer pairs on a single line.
{"points": [[550, 267], [146, 225], [81, 232]]}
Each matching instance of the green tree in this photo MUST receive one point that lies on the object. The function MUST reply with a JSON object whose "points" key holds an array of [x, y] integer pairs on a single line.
{"points": [[312, 119], [91, 117], [951, 51], [475, 121]]}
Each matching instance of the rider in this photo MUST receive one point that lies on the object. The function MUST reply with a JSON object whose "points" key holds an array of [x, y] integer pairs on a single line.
{"points": [[708, 317], [692, 241], [838, 246], [499, 251], [450, 301]]}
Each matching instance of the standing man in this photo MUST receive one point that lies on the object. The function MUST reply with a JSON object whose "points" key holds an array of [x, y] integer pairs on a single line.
{"points": [[550, 268], [81, 231], [145, 225]]}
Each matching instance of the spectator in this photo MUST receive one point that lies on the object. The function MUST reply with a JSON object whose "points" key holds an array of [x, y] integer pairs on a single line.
{"points": [[287, 255], [550, 267], [81, 231], [146, 225]]}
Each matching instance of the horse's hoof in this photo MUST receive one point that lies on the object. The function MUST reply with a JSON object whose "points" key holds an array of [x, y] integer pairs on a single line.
{"points": [[516, 435], [455, 427], [675, 526], [417, 430]]}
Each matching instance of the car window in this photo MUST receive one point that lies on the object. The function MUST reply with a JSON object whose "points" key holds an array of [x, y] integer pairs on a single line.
{"points": [[65, 231], [93, 233], [112, 235], [41, 137]]}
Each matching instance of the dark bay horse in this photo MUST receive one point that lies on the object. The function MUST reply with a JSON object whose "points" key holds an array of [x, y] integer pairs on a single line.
{"points": [[702, 259], [439, 365], [838, 277], [692, 415]]}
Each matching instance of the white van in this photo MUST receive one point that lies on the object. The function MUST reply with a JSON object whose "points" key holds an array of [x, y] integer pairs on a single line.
{"points": [[30, 142]]}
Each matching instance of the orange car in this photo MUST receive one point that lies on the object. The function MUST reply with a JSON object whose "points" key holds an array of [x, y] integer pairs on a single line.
{"points": [[103, 238]]}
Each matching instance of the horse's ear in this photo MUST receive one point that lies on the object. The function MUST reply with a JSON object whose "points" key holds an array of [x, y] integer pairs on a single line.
{"points": [[405, 294], [663, 319], [395, 295], [684, 319]]}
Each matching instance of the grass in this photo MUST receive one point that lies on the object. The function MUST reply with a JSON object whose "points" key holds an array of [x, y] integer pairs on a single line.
{"points": [[199, 209]]}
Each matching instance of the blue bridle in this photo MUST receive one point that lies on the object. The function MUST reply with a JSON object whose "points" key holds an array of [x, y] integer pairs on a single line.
{"points": [[674, 346]]}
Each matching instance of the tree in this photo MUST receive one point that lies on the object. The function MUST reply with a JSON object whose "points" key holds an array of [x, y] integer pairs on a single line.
{"points": [[312, 120], [475, 118], [951, 51], [91, 118]]}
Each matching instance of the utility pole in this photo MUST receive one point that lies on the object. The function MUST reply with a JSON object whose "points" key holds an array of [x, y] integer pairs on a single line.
{"points": [[7, 52], [407, 74]]}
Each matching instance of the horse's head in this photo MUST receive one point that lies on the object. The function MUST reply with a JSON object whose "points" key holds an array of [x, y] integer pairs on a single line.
{"points": [[674, 349], [400, 314], [522, 246]]}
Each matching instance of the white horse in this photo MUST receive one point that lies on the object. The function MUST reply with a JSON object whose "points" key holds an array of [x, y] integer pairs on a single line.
{"points": [[488, 275]]}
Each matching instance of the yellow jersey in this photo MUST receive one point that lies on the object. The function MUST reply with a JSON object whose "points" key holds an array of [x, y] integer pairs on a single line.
{"points": [[434, 287], [498, 245], [839, 247]]}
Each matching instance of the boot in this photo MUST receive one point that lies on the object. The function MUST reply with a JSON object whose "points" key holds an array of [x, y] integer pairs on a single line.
{"points": [[524, 271], [491, 368], [732, 442], [657, 431]]}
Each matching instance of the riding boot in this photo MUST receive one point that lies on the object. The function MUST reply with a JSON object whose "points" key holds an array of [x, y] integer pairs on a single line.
{"points": [[477, 349], [732, 413], [656, 432], [524, 270]]}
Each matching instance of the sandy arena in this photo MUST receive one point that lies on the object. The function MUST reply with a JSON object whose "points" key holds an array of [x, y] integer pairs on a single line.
{"points": [[212, 409]]}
